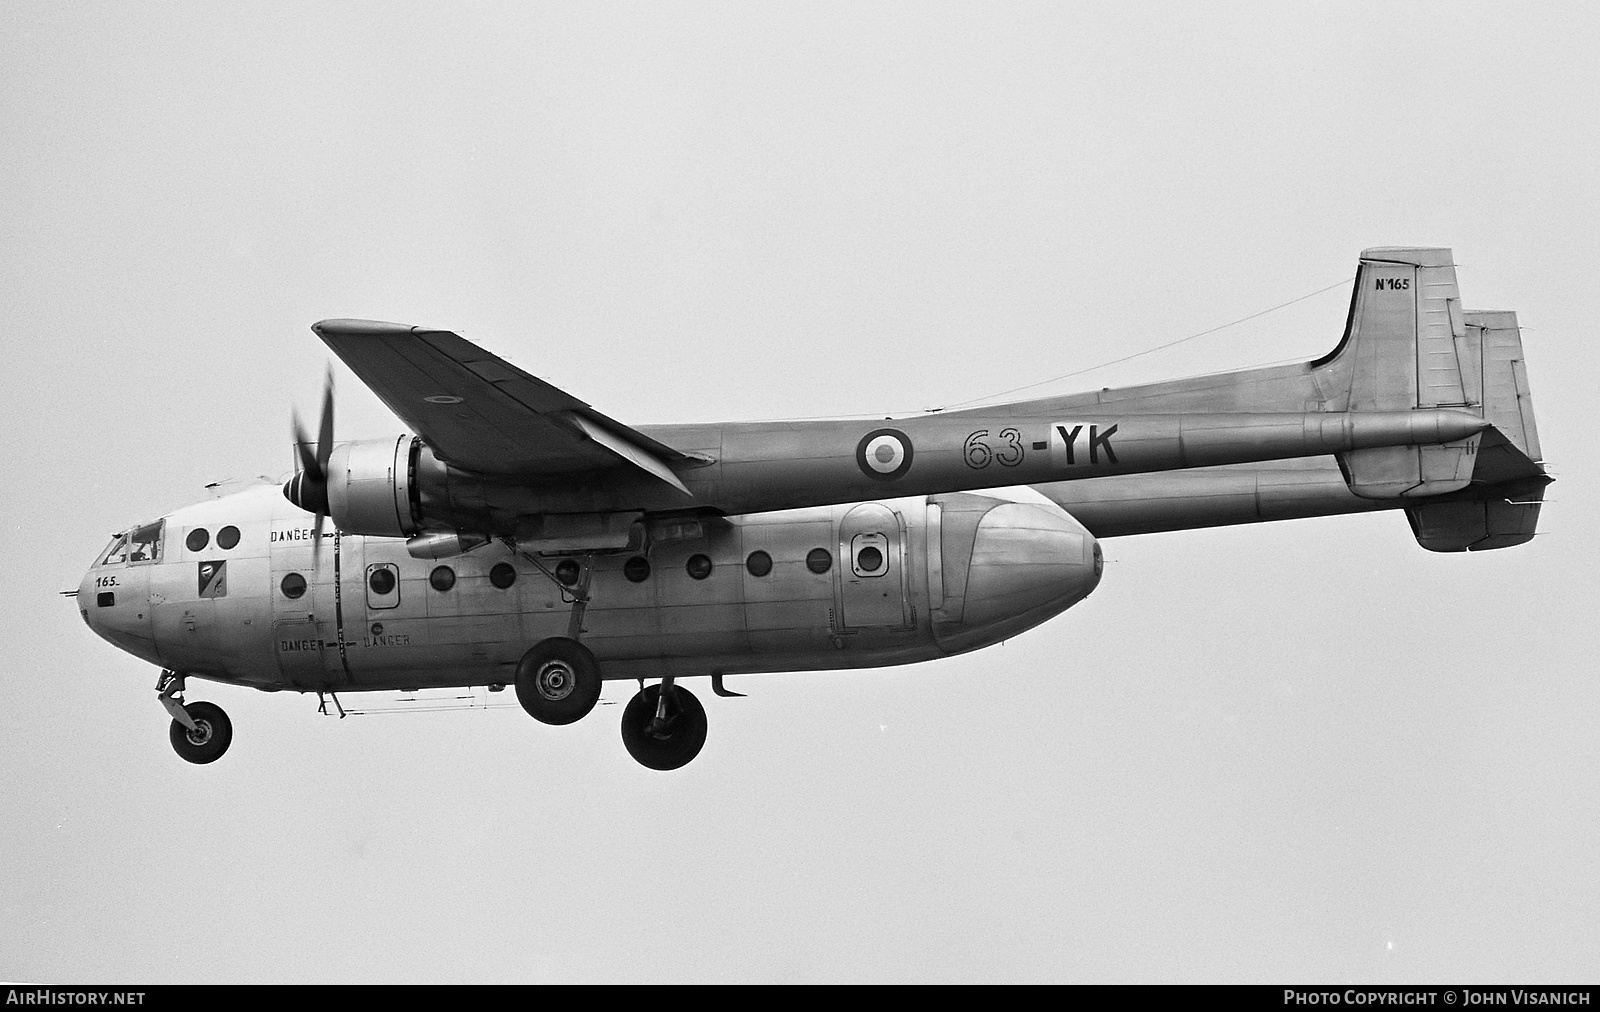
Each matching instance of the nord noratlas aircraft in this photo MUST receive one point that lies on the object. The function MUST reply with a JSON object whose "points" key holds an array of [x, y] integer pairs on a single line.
{"points": [[516, 536]]}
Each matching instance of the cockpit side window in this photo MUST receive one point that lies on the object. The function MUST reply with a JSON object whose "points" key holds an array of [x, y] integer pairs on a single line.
{"points": [[117, 554], [144, 543]]}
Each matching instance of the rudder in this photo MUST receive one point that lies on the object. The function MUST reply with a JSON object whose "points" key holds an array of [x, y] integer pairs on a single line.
{"points": [[1508, 473]]}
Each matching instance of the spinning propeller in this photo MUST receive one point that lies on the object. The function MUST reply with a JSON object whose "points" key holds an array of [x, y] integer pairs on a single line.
{"points": [[308, 489]]}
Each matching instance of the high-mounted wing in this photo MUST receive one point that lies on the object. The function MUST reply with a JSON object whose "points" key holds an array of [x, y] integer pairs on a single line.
{"points": [[481, 413]]}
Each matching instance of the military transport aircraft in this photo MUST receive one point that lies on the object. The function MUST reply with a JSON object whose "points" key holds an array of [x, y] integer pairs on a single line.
{"points": [[516, 536]]}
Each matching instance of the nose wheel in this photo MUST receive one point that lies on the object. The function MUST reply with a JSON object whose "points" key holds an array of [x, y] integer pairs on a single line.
{"points": [[200, 732], [208, 739], [664, 726]]}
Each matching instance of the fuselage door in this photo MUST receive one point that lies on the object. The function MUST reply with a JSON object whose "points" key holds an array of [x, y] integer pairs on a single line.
{"points": [[872, 578]]}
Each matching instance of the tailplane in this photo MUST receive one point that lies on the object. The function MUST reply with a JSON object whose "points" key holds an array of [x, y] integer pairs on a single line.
{"points": [[1408, 345]]}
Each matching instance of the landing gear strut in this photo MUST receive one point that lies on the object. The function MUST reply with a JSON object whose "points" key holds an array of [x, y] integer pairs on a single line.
{"points": [[200, 732], [664, 726]]}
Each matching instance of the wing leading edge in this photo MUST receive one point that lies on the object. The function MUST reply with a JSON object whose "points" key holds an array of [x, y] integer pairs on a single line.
{"points": [[480, 413]]}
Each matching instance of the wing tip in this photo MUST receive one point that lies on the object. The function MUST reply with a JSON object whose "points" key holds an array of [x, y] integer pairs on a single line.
{"points": [[361, 328]]}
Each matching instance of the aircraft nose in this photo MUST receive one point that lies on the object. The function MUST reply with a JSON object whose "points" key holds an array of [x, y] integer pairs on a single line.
{"points": [[1029, 562], [114, 604], [85, 598]]}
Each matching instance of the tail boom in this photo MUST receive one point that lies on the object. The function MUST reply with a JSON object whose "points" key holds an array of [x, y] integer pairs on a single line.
{"points": [[1408, 350]]}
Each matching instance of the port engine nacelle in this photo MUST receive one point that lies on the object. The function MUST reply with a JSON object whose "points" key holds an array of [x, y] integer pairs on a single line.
{"points": [[372, 487]]}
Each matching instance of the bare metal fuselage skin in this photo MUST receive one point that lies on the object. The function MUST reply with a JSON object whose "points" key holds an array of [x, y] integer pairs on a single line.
{"points": [[949, 574]]}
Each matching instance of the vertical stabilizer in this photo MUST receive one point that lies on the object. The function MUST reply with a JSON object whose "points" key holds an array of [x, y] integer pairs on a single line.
{"points": [[1405, 339], [1406, 347]]}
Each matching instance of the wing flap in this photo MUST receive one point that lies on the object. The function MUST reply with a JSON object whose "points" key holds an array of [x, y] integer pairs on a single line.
{"points": [[632, 454]]}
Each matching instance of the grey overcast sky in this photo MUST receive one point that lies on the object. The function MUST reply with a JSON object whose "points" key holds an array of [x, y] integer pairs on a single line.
{"points": [[1304, 751]]}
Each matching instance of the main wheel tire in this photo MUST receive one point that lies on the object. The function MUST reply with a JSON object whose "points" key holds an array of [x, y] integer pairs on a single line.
{"points": [[211, 737], [558, 681], [669, 747]]}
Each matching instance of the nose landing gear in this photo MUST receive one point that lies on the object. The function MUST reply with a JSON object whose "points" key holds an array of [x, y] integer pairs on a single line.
{"points": [[210, 737], [200, 732], [664, 726]]}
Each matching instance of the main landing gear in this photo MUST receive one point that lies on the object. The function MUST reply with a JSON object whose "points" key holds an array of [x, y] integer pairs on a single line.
{"points": [[200, 732], [664, 726], [558, 681]]}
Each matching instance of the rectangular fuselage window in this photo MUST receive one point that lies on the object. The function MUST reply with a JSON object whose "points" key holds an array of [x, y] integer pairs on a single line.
{"points": [[144, 543]]}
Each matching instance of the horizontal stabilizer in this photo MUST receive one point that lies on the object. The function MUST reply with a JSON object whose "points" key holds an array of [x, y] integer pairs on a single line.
{"points": [[1475, 525], [1499, 460]]}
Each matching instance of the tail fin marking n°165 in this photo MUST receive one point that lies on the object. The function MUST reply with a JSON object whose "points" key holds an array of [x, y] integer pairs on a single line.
{"points": [[1406, 347]]}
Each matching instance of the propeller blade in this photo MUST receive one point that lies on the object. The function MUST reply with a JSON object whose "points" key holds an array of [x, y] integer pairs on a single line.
{"points": [[316, 542], [325, 432], [303, 448], [308, 489]]}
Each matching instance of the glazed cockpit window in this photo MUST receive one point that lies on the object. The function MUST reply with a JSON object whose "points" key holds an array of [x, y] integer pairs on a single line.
{"points": [[144, 543], [117, 554]]}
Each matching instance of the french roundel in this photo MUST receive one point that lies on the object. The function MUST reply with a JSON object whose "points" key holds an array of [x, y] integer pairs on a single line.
{"points": [[884, 454]]}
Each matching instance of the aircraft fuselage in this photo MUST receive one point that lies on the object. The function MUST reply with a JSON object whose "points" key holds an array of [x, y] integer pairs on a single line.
{"points": [[236, 590]]}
